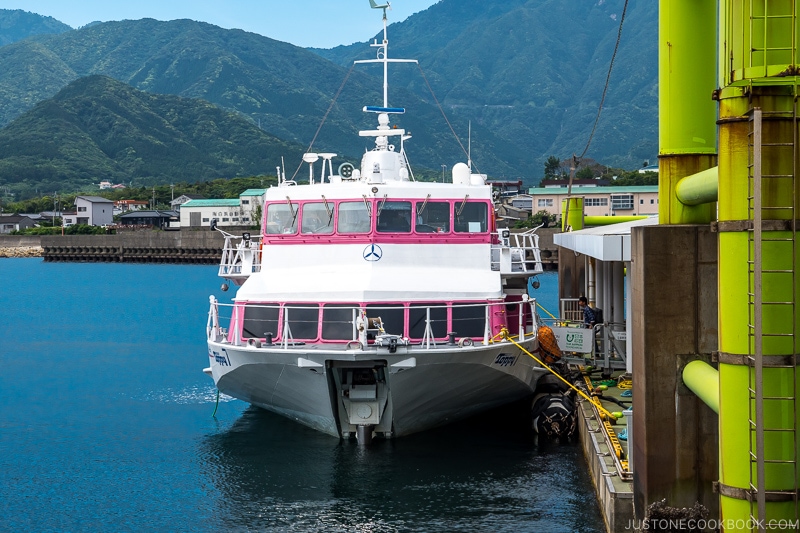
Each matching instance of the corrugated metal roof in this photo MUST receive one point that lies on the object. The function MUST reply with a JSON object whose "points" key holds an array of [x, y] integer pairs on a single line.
{"points": [[580, 191], [14, 218], [254, 192], [149, 214], [211, 203], [96, 199]]}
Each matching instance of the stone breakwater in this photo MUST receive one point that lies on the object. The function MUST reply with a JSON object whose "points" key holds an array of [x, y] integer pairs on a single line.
{"points": [[22, 251]]}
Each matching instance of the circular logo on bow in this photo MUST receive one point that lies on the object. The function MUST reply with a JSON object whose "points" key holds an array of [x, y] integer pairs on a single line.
{"points": [[372, 252]]}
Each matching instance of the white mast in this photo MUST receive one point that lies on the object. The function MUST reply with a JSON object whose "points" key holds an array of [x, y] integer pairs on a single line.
{"points": [[383, 53]]}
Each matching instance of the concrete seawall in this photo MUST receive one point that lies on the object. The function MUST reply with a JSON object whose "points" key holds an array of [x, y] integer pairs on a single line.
{"points": [[20, 246], [136, 247]]}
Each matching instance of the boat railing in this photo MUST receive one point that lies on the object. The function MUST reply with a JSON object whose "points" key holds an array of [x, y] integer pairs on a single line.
{"points": [[517, 254], [241, 256], [360, 327]]}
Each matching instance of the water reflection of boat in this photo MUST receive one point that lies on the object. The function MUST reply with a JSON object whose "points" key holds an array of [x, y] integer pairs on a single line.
{"points": [[373, 303], [274, 475]]}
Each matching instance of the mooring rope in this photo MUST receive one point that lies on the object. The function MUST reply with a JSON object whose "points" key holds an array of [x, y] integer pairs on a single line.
{"points": [[596, 403]]}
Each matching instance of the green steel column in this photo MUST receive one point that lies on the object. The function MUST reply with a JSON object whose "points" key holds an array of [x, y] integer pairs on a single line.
{"points": [[757, 47], [735, 315], [687, 114]]}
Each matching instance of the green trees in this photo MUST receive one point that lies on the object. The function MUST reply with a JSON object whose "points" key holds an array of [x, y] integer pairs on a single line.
{"points": [[552, 168], [538, 219]]}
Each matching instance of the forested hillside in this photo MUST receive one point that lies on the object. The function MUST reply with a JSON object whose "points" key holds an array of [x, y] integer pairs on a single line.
{"points": [[98, 129], [528, 76]]}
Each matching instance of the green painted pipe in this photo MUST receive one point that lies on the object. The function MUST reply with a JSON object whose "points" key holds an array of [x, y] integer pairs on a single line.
{"points": [[703, 380], [700, 188], [572, 217], [686, 76], [607, 221], [687, 131]]}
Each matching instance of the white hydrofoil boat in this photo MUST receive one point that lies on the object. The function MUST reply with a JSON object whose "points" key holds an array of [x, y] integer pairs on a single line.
{"points": [[374, 304]]}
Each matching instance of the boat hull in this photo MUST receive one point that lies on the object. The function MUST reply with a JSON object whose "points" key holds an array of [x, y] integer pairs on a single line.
{"points": [[418, 388]]}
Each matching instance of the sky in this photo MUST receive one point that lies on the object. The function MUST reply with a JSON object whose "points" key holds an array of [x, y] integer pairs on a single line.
{"points": [[307, 23]]}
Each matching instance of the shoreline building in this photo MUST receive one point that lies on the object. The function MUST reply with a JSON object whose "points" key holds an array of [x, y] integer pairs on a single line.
{"points": [[244, 211], [637, 200]]}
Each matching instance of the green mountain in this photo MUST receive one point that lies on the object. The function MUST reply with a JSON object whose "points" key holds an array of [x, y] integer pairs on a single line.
{"points": [[16, 24], [285, 89], [533, 71], [527, 74], [98, 128]]}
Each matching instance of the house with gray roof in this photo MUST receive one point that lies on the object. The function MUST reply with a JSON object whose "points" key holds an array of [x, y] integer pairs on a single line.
{"points": [[152, 218], [94, 210], [9, 223]]}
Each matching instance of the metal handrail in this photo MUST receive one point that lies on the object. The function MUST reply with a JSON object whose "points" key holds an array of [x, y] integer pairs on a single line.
{"points": [[526, 330], [241, 256], [516, 253]]}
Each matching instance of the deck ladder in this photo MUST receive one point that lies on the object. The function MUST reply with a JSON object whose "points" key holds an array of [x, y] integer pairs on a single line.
{"points": [[763, 25], [763, 216]]}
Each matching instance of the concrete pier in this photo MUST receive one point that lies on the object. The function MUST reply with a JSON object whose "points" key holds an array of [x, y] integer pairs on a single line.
{"points": [[614, 494], [203, 247]]}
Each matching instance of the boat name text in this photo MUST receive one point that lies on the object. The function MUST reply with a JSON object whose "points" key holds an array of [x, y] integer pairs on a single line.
{"points": [[505, 359]]}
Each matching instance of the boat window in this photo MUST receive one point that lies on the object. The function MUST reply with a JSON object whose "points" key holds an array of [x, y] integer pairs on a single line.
{"points": [[469, 321], [353, 217], [316, 219], [394, 217], [471, 218], [303, 319], [337, 322], [260, 320], [417, 314], [433, 217], [392, 317], [281, 219]]}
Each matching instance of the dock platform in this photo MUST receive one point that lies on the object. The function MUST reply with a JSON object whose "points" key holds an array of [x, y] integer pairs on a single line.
{"points": [[607, 458]]}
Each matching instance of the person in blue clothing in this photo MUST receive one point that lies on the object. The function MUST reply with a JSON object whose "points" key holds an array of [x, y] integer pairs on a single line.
{"points": [[589, 319]]}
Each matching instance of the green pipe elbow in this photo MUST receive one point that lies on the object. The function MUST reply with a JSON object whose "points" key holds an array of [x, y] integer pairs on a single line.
{"points": [[700, 188], [703, 380]]}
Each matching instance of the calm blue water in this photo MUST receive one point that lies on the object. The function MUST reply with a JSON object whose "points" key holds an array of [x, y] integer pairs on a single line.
{"points": [[106, 426]]}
